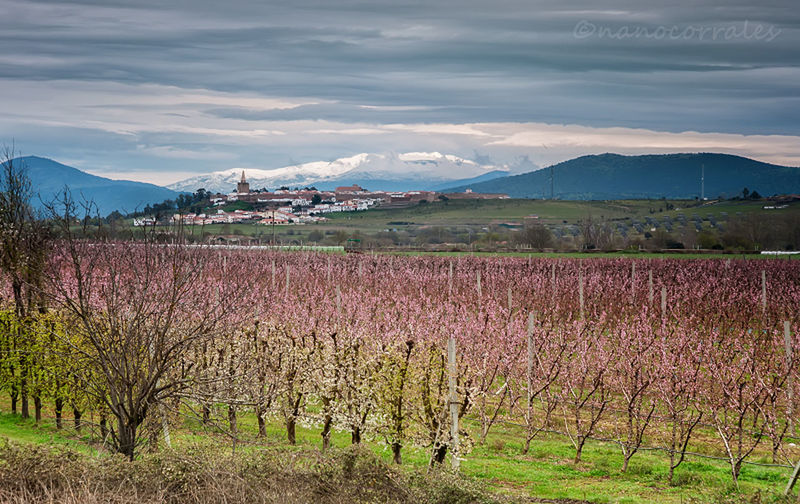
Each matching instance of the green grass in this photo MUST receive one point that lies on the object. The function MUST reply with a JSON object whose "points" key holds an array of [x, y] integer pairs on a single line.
{"points": [[485, 212], [469, 217], [547, 471]]}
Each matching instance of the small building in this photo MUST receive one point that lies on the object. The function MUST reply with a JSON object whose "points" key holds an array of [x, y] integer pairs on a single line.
{"points": [[350, 189]]}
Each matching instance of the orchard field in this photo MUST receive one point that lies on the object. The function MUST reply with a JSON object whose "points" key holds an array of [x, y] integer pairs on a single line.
{"points": [[609, 379]]}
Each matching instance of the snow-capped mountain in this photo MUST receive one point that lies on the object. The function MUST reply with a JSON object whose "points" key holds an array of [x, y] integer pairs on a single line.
{"points": [[394, 172]]}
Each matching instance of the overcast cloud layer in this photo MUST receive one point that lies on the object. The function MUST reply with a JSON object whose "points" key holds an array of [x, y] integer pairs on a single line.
{"points": [[144, 91]]}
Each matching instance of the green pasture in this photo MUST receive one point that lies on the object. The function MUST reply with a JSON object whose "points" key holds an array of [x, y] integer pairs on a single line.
{"points": [[546, 472]]}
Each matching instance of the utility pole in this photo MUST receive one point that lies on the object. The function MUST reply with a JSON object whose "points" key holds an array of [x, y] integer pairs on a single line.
{"points": [[702, 182]]}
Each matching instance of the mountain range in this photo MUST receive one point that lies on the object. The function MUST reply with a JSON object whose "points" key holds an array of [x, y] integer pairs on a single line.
{"points": [[378, 172], [614, 176], [604, 176], [49, 178]]}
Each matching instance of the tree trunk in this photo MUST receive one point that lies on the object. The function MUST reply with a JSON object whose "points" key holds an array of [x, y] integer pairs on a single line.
{"points": [[232, 420], [735, 470], [59, 407], [14, 395], [396, 447], [126, 435], [439, 452], [291, 425], [37, 408], [76, 414], [579, 449], [326, 432], [103, 427], [262, 425], [206, 414], [527, 446], [24, 401], [355, 435]]}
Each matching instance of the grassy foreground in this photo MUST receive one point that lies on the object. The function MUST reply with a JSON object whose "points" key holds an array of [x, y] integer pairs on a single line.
{"points": [[42, 464]]}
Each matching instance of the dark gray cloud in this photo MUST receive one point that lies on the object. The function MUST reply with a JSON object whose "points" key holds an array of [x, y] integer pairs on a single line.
{"points": [[709, 66]]}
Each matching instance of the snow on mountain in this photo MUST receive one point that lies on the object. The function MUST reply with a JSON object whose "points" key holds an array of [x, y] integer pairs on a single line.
{"points": [[411, 170]]}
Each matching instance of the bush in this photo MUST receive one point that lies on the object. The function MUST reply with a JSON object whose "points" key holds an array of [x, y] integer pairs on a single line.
{"points": [[58, 475]]}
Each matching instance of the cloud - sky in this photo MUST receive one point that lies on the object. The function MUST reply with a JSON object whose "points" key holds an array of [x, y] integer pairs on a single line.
{"points": [[153, 92]]}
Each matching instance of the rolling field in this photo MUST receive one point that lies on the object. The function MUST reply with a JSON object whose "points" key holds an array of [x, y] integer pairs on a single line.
{"points": [[469, 220]]}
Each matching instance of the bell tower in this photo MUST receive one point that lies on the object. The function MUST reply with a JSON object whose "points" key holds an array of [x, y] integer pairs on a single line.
{"points": [[243, 187]]}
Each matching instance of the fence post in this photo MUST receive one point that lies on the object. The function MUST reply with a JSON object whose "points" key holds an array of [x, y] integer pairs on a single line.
{"points": [[787, 339], [580, 288], [450, 281], [663, 301], [287, 280], [764, 291], [633, 281], [451, 360], [650, 287]]}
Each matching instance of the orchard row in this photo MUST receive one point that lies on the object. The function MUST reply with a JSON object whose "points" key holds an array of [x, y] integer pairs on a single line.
{"points": [[644, 352]]}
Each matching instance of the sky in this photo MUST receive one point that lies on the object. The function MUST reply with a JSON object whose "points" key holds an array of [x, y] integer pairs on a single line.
{"points": [[161, 90]]}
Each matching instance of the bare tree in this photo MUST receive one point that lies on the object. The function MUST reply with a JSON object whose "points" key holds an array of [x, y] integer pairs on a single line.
{"points": [[139, 308], [24, 241]]}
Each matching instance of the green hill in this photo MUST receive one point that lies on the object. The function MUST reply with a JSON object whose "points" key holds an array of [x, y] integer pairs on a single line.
{"points": [[613, 176], [48, 179]]}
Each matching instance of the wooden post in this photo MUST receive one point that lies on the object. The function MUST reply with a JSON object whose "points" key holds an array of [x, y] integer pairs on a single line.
{"points": [[360, 271], [338, 300], [580, 289], [633, 281], [787, 340], [273, 274], [165, 428], [764, 291], [663, 301], [328, 277], [479, 287], [451, 361], [553, 283], [287, 280], [650, 287], [792, 479], [510, 304], [450, 281], [529, 372]]}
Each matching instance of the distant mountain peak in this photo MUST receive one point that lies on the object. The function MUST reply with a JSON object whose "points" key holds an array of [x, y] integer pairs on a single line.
{"points": [[49, 178], [389, 171]]}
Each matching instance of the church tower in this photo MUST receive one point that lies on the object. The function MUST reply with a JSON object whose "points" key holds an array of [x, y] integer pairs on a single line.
{"points": [[243, 187]]}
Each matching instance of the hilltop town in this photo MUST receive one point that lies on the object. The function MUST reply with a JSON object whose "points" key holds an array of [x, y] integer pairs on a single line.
{"points": [[302, 206]]}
